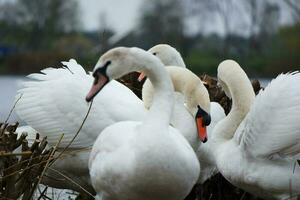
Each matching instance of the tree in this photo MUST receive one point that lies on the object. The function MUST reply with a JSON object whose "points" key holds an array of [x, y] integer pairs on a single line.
{"points": [[162, 22], [224, 12], [39, 22], [263, 21], [51, 15], [105, 34], [295, 6]]}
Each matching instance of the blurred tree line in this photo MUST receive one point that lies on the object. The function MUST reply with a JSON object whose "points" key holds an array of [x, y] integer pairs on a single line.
{"points": [[36, 34]]}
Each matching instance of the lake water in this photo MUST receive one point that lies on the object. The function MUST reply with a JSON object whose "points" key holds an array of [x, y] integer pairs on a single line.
{"points": [[8, 89]]}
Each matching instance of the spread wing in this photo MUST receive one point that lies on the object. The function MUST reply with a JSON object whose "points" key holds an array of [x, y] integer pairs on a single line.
{"points": [[273, 124], [53, 102]]}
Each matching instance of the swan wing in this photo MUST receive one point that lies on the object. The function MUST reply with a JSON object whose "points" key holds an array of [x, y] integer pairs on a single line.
{"points": [[43, 104], [272, 125], [53, 102]]}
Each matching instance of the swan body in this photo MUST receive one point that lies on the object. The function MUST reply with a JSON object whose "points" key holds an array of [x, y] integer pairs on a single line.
{"points": [[147, 159], [256, 146]]}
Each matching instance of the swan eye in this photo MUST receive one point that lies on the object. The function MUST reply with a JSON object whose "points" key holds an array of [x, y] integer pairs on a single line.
{"points": [[154, 53], [101, 70], [207, 120]]}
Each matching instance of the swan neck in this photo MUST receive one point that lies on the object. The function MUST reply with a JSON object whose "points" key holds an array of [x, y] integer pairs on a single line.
{"points": [[190, 86], [243, 96], [163, 99]]}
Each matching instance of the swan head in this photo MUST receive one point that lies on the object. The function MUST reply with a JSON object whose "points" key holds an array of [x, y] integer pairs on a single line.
{"points": [[195, 95], [105, 70], [116, 63], [230, 73], [168, 55], [198, 104], [226, 70], [235, 83]]}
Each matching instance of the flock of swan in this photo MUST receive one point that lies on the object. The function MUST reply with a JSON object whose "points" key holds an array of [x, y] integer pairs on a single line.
{"points": [[155, 148]]}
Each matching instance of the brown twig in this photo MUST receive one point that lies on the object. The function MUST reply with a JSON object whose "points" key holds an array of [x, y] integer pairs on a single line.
{"points": [[24, 161], [43, 193], [4, 154], [12, 109], [72, 181], [46, 166]]}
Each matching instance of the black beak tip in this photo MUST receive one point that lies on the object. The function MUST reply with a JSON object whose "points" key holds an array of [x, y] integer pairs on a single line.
{"points": [[205, 140], [87, 99]]}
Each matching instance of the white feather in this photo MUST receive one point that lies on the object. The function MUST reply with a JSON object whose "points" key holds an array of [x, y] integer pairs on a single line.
{"points": [[272, 125], [54, 103]]}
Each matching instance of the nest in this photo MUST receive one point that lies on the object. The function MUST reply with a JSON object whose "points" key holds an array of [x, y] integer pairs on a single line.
{"points": [[21, 165]]}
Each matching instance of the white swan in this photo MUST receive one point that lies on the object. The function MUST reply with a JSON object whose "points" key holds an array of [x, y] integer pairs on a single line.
{"points": [[141, 160], [182, 118], [185, 118], [256, 145], [53, 103]]}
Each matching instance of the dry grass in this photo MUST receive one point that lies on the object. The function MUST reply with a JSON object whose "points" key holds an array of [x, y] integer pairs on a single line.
{"points": [[21, 165]]}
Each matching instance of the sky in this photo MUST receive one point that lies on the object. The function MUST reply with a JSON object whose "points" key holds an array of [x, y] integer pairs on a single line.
{"points": [[120, 15]]}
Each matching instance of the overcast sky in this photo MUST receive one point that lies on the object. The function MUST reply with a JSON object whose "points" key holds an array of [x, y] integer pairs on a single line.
{"points": [[121, 15]]}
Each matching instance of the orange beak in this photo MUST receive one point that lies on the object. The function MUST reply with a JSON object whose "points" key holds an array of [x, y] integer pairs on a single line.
{"points": [[141, 77], [201, 129]]}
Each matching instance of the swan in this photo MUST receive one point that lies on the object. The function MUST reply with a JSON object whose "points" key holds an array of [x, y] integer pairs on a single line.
{"points": [[181, 117], [185, 118], [256, 146], [144, 159], [53, 103]]}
